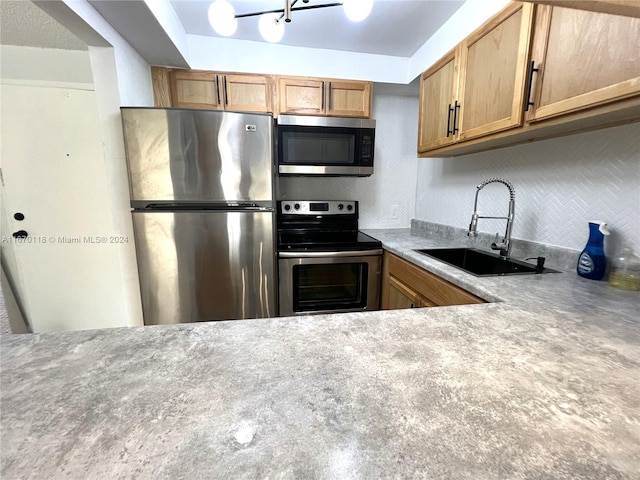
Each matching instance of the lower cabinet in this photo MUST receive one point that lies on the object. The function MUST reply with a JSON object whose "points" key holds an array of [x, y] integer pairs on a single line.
{"points": [[404, 285]]}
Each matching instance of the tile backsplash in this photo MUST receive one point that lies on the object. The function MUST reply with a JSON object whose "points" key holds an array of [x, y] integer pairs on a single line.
{"points": [[394, 178], [560, 184]]}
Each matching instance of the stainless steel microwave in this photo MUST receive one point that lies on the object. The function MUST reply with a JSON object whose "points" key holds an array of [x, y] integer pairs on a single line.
{"points": [[329, 146]]}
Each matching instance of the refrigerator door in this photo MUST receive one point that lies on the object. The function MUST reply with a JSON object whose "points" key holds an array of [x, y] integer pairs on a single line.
{"points": [[179, 156], [205, 265]]}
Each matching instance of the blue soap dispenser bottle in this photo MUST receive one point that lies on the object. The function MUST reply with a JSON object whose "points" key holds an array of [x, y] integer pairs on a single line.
{"points": [[592, 262]]}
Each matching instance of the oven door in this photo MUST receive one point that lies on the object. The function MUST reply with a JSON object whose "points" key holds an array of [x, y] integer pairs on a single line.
{"points": [[329, 282]]}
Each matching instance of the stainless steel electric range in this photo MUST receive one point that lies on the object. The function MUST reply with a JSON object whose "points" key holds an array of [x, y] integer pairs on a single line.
{"points": [[325, 264]]}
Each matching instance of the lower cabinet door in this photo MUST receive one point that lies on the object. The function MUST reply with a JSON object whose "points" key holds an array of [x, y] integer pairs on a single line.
{"points": [[401, 296]]}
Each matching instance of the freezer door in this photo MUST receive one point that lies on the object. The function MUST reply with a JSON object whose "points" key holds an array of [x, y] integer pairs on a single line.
{"points": [[201, 266], [198, 156]]}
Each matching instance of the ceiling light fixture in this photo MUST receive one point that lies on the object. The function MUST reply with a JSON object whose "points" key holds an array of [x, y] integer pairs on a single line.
{"points": [[357, 10], [224, 20], [271, 27]]}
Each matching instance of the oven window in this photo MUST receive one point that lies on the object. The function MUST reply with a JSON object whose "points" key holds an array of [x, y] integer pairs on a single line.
{"points": [[329, 286], [317, 148]]}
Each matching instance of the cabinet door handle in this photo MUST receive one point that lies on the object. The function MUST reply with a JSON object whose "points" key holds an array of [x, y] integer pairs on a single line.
{"points": [[330, 106], [532, 69], [322, 106], [218, 89], [449, 110], [456, 107], [226, 96]]}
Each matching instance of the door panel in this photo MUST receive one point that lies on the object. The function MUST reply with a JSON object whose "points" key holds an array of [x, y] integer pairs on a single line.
{"points": [[585, 59], [203, 266], [67, 271], [494, 67], [198, 156], [349, 99], [247, 93], [195, 90], [401, 296], [301, 96], [437, 94]]}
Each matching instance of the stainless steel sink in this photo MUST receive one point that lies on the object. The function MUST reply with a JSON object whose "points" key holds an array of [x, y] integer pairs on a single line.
{"points": [[482, 264]]}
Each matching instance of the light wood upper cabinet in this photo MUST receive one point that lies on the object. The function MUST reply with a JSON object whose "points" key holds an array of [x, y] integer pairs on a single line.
{"points": [[582, 59], [195, 90], [438, 90], [348, 99], [161, 85], [478, 88], [324, 97], [301, 96], [405, 285], [628, 8], [533, 73], [493, 70], [217, 91], [260, 93], [247, 93]]}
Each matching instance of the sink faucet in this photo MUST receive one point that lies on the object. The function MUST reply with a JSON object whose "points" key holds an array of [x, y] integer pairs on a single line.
{"points": [[505, 245]]}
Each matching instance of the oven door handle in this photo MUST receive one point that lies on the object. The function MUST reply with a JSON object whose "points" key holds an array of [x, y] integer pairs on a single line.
{"points": [[356, 253]]}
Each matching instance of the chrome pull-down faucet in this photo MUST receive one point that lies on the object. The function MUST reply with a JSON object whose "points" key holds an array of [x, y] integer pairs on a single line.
{"points": [[505, 245]]}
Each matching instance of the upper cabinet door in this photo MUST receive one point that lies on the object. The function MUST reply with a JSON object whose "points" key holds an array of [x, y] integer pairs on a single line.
{"points": [[582, 59], [348, 99], [195, 90], [438, 107], [248, 93], [492, 75], [301, 96]]}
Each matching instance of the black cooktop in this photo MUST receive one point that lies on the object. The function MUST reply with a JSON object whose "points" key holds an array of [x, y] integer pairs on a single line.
{"points": [[327, 241], [321, 226]]}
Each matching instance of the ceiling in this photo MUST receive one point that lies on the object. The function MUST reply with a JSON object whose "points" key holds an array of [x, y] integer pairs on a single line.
{"points": [[24, 24], [394, 27]]}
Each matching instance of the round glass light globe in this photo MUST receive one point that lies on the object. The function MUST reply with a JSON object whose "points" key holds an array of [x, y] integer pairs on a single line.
{"points": [[271, 29], [222, 18], [357, 10]]}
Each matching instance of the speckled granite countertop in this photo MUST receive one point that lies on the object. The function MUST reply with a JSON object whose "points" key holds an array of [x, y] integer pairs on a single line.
{"points": [[540, 385]]}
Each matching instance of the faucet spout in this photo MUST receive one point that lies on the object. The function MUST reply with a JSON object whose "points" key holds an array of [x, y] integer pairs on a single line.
{"points": [[505, 245]]}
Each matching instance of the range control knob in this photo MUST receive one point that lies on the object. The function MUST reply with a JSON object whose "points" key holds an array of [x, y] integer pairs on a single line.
{"points": [[297, 206], [349, 207], [340, 206], [287, 207]]}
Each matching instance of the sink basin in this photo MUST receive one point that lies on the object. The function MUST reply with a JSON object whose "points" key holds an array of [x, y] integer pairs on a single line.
{"points": [[482, 264]]}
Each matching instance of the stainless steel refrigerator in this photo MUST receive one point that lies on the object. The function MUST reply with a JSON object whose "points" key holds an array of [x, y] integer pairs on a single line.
{"points": [[201, 185]]}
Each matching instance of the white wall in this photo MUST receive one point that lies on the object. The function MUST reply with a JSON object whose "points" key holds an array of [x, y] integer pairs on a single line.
{"points": [[395, 163], [53, 66], [252, 57], [133, 79], [560, 185]]}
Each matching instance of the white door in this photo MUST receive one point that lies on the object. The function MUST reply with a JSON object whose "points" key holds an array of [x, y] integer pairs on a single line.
{"points": [[66, 269]]}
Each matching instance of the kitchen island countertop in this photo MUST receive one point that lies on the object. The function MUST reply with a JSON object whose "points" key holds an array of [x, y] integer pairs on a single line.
{"points": [[541, 383]]}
